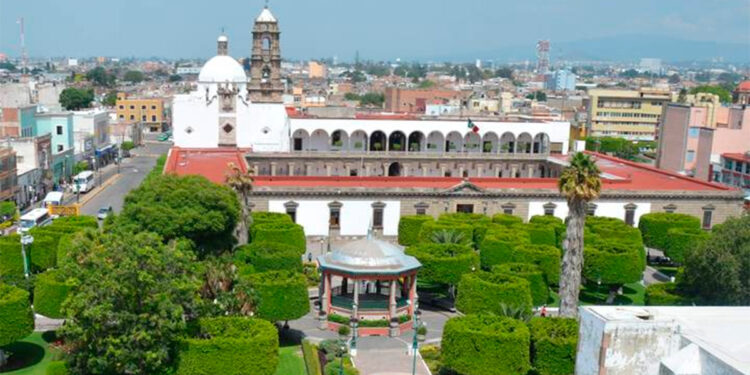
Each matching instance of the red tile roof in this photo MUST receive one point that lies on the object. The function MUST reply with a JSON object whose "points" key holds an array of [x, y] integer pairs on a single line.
{"points": [[744, 86], [737, 156], [210, 163]]}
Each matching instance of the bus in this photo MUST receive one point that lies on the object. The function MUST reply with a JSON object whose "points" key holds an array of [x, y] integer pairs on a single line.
{"points": [[83, 182], [37, 217]]}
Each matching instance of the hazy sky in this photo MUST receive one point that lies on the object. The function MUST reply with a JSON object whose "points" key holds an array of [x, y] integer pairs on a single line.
{"points": [[379, 29]]}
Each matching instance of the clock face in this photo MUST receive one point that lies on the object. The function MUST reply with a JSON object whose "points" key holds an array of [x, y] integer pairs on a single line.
{"points": [[266, 58]]}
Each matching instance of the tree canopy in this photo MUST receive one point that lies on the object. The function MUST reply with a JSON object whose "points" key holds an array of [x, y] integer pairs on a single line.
{"points": [[134, 76], [724, 95], [74, 99], [101, 77]]}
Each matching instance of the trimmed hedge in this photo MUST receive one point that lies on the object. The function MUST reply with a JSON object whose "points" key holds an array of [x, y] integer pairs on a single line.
{"points": [[281, 295], [497, 247], [43, 251], [542, 234], [612, 263], [444, 263], [269, 256], [11, 261], [553, 345], [16, 318], [409, 227], [82, 221], [654, 227], [478, 222], [665, 294], [57, 368], [312, 360], [482, 291], [555, 222], [334, 368], [231, 346], [507, 220], [533, 274], [680, 240], [50, 290], [547, 257], [270, 217], [486, 345], [279, 232], [429, 228]]}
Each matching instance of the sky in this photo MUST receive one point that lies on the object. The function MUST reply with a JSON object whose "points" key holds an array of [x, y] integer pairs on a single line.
{"points": [[378, 29]]}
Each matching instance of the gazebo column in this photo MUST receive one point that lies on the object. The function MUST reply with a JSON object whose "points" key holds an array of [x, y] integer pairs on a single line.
{"points": [[413, 293], [394, 326], [325, 298], [344, 285], [355, 309]]}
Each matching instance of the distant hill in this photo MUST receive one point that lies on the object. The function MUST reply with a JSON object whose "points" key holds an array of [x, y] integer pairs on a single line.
{"points": [[618, 48]]}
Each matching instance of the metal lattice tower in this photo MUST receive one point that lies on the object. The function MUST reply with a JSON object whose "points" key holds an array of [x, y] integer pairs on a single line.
{"points": [[542, 56], [24, 55]]}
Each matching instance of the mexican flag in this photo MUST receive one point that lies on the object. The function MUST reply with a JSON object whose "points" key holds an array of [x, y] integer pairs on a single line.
{"points": [[471, 126]]}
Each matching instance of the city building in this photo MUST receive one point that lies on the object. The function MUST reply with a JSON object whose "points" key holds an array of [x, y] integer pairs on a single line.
{"points": [[742, 93], [90, 133], [149, 111], [316, 70], [560, 80], [651, 65], [188, 70], [126, 131], [17, 122], [399, 100], [60, 127], [33, 168], [8, 176], [664, 340], [735, 170], [630, 114], [265, 62]]}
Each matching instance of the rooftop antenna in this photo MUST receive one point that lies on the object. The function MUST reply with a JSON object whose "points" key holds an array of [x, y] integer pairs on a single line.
{"points": [[24, 55]]}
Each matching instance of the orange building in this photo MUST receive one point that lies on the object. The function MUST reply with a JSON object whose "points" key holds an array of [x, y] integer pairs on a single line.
{"points": [[149, 111]]}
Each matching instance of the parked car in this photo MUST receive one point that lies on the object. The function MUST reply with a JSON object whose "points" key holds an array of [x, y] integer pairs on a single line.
{"points": [[104, 212]]}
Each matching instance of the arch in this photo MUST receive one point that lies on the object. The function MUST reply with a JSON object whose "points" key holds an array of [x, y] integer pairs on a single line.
{"points": [[339, 140], [416, 141], [508, 143], [394, 170], [454, 142], [524, 143], [377, 141], [472, 142], [541, 143], [265, 43], [319, 140], [300, 140], [436, 142], [358, 141], [490, 142], [397, 141], [266, 73]]}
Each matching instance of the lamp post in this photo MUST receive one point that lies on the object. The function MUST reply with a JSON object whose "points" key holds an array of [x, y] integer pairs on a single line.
{"points": [[353, 346], [415, 343], [26, 239], [342, 338]]}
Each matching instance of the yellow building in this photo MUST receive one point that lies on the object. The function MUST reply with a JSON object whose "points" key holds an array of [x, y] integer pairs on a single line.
{"points": [[712, 104], [631, 114], [149, 111], [316, 70]]}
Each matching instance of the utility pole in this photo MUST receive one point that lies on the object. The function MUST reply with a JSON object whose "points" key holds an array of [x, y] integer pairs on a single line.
{"points": [[24, 55]]}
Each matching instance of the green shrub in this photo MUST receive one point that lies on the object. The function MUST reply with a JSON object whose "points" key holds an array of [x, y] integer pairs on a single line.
{"points": [[50, 290], [409, 227], [231, 346], [16, 318], [82, 221], [553, 345], [497, 247], [486, 345], [269, 256], [507, 220], [654, 227], [11, 261], [270, 217], [478, 222], [555, 222], [482, 291], [281, 295], [286, 233], [310, 355], [665, 294], [43, 252], [430, 228], [541, 234], [64, 244], [57, 368], [612, 263], [334, 368], [680, 240], [444, 263], [532, 274], [547, 257]]}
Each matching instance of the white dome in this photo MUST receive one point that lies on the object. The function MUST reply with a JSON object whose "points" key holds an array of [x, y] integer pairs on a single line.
{"points": [[223, 38], [221, 69]]}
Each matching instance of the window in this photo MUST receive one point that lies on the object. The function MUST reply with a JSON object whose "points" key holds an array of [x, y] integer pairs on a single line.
{"points": [[143, 118], [60, 148], [132, 117], [690, 156], [591, 209], [549, 209], [693, 132], [153, 118], [291, 210], [122, 117], [630, 214], [266, 44], [377, 215], [153, 107], [59, 130], [122, 107], [132, 107], [708, 213], [508, 208], [334, 219], [465, 208], [670, 208], [421, 208], [143, 107]]}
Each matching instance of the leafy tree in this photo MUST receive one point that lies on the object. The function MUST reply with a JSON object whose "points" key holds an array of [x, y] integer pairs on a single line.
{"points": [[378, 70], [127, 145], [579, 182], [504, 72], [131, 303], [242, 184], [7, 210], [351, 96], [16, 318], [74, 99], [134, 76], [674, 78], [682, 96], [724, 95], [426, 84], [175, 78], [110, 99], [372, 99], [717, 271], [190, 206], [80, 166], [7, 66], [101, 77], [538, 96]]}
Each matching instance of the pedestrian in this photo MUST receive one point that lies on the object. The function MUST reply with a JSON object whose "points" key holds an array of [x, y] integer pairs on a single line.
{"points": [[543, 313], [309, 257]]}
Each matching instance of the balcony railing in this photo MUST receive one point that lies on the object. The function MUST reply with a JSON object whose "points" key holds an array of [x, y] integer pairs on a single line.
{"points": [[366, 302]]}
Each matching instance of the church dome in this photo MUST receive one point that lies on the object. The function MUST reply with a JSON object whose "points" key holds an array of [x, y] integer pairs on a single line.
{"points": [[222, 69]]}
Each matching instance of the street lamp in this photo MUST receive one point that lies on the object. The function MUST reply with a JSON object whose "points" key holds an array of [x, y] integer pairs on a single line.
{"points": [[353, 346], [415, 343], [26, 239]]}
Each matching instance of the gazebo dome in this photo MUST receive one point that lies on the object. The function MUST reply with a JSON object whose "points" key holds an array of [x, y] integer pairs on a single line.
{"points": [[369, 256], [221, 69]]}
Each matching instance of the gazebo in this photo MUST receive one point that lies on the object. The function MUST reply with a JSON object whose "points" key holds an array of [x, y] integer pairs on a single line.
{"points": [[370, 282]]}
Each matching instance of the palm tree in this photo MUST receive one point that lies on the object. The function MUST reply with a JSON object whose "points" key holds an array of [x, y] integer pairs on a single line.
{"points": [[242, 184], [579, 182], [447, 236]]}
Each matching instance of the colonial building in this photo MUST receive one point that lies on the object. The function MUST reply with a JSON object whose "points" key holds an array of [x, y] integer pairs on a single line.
{"points": [[265, 63]]}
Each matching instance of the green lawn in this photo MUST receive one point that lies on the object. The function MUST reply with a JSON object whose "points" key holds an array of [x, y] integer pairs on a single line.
{"points": [[34, 351], [290, 361]]}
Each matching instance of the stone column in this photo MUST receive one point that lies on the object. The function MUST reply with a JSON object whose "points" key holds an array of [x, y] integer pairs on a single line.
{"points": [[413, 292], [367, 169], [531, 171], [405, 172], [347, 169], [325, 298], [461, 171], [386, 166], [513, 171], [497, 170], [273, 168], [424, 170], [442, 170], [356, 299], [291, 169], [328, 170], [308, 167], [480, 169], [394, 326]]}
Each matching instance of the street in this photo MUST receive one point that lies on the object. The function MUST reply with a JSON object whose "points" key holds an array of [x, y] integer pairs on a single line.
{"points": [[132, 171]]}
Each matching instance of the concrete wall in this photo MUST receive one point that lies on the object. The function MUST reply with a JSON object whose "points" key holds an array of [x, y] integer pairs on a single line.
{"points": [[673, 138]]}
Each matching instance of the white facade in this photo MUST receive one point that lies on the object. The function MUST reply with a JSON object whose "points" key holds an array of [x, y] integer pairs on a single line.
{"points": [[90, 131], [615, 210], [355, 217]]}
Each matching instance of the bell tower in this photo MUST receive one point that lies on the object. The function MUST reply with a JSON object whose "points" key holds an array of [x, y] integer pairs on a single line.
{"points": [[265, 64]]}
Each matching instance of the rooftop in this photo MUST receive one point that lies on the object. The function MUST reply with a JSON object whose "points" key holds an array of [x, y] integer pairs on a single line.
{"points": [[369, 256], [210, 163], [737, 156]]}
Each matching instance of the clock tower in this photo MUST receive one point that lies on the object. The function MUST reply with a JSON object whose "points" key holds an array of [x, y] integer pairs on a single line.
{"points": [[265, 64]]}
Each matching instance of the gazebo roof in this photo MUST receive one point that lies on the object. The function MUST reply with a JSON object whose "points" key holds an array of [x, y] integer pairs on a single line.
{"points": [[369, 256]]}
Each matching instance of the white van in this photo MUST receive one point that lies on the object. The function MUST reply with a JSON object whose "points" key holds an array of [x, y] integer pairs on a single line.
{"points": [[37, 217], [83, 182], [53, 198]]}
